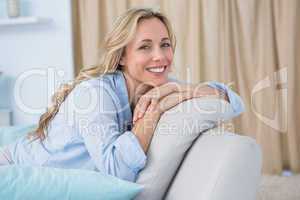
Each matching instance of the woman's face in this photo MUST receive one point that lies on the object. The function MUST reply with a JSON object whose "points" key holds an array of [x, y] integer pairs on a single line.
{"points": [[148, 57]]}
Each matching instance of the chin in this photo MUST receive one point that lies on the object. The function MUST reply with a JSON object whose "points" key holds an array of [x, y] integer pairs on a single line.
{"points": [[157, 83], [156, 78]]}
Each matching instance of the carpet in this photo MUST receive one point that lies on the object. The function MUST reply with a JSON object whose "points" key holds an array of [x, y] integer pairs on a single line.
{"points": [[279, 188]]}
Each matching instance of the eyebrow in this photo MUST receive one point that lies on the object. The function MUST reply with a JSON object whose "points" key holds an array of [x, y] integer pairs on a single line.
{"points": [[148, 40]]}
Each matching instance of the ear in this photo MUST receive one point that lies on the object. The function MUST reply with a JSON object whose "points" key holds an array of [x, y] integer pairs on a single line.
{"points": [[123, 58], [122, 61]]}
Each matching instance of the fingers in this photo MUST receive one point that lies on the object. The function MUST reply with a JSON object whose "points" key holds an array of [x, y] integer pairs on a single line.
{"points": [[169, 95], [151, 98], [153, 106], [141, 108]]}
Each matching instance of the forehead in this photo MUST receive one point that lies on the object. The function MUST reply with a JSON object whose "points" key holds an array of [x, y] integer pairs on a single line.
{"points": [[152, 28]]}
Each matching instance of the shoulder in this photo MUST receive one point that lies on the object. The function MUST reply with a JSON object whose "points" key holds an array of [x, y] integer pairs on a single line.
{"points": [[104, 84], [95, 91], [103, 81]]}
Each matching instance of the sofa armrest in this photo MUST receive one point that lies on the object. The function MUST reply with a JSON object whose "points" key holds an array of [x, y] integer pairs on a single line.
{"points": [[219, 166]]}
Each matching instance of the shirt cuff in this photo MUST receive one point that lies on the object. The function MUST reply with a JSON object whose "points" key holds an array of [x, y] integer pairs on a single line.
{"points": [[131, 151], [235, 100]]}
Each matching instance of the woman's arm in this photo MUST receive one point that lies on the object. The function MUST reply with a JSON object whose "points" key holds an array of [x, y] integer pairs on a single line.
{"points": [[112, 151], [203, 90], [144, 127], [213, 89], [217, 90]]}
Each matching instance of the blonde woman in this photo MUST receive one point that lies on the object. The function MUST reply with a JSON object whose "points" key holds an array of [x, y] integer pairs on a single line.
{"points": [[104, 120]]}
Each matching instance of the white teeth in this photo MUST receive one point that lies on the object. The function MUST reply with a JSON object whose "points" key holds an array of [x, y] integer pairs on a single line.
{"points": [[156, 69]]}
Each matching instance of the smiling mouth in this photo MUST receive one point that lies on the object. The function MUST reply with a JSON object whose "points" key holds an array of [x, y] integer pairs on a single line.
{"points": [[157, 69]]}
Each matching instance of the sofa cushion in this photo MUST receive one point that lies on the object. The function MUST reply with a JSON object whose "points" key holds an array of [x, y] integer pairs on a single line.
{"points": [[9, 134], [174, 134], [219, 166]]}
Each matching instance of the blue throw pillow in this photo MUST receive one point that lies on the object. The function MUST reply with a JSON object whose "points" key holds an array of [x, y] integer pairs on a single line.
{"points": [[36, 183], [9, 134]]}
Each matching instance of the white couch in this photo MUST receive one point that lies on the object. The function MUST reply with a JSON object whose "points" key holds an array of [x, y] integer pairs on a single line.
{"points": [[218, 167]]}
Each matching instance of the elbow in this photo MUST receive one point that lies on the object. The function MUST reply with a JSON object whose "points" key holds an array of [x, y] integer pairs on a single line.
{"points": [[123, 172], [239, 107]]}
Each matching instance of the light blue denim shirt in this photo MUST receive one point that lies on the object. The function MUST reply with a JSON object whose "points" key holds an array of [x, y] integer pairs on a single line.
{"points": [[92, 131]]}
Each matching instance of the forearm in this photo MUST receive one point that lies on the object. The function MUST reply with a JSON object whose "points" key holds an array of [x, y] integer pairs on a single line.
{"points": [[204, 90], [144, 129]]}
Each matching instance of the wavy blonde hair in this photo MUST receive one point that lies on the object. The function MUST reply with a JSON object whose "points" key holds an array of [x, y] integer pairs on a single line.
{"points": [[114, 45]]}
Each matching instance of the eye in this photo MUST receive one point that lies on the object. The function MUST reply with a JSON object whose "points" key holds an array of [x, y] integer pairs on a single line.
{"points": [[166, 44], [145, 47]]}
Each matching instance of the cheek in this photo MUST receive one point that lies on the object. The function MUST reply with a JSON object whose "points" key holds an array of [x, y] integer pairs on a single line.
{"points": [[141, 62], [137, 66], [169, 56], [134, 61]]}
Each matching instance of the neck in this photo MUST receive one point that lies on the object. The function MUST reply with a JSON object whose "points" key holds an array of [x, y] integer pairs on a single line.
{"points": [[135, 89]]}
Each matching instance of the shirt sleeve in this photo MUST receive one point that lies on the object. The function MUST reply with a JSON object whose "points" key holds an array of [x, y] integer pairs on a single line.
{"points": [[113, 152], [234, 99]]}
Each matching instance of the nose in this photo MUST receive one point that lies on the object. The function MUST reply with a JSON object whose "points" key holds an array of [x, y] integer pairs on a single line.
{"points": [[158, 54]]}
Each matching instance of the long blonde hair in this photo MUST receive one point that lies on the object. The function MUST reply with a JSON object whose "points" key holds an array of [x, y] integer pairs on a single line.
{"points": [[114, 45]]}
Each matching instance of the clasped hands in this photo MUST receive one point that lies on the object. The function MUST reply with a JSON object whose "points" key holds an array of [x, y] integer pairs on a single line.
{"points": [[162, 98]]}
